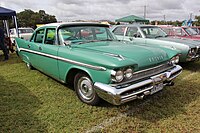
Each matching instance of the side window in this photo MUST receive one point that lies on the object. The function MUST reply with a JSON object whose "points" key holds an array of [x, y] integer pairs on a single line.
{"points": [[145, 31], [39, 36], [32, 38], [179, 32], [119, 31], [132, 31], [50, 36], [183, 33]]}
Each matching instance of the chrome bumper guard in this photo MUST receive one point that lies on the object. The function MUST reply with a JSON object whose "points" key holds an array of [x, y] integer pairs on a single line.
{"points": [[137, 90], [193, 58]]}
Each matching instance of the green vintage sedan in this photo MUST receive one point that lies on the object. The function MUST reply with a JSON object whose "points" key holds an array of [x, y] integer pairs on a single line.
{"points": [[88, 56], [154, 36]]}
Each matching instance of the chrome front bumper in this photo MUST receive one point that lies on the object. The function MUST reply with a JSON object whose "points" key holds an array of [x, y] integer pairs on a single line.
{"points": [[138, 90]]}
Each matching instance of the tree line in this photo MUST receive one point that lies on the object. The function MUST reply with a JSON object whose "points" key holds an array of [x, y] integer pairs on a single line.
{"points": [[177, 23], [29, 18]]}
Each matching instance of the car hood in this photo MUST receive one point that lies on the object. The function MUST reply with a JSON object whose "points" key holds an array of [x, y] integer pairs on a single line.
{"points": [[188, 42], [115, 52]]}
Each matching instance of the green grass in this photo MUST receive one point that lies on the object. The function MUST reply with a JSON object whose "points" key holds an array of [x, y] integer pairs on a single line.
{"points": [[33, 102]]}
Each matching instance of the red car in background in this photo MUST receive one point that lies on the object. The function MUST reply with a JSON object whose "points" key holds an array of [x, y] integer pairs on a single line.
{"points": [[182, 32], [197, 29]]}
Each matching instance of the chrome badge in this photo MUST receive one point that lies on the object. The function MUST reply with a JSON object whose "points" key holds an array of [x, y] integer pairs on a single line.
{"points": [[155, 59]]}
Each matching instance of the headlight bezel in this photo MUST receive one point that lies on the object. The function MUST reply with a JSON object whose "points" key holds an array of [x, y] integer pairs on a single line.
{"points": [[120, 75], [175, 59], [192, 51], [128, 73]]}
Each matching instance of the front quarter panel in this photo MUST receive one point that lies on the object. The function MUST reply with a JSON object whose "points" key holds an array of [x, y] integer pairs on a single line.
{"points": [[70, 61]]}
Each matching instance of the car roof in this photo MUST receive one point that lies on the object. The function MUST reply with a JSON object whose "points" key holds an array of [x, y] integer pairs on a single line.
{"points": [[136, 25], [73, 24]]}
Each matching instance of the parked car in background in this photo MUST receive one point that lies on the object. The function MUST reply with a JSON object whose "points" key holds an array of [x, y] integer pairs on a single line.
{"points": [[182, 32], [197, 29], [155, 37], [88, 56], [24, 33]]}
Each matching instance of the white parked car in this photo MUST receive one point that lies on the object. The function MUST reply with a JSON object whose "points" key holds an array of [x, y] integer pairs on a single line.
{"points": [[24, 33]]}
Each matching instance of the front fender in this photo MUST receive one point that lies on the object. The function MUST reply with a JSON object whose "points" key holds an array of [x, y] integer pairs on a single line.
{"points": [[103, 76]]}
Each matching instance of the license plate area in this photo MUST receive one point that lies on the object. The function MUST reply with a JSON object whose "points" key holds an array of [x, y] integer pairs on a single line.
{"points": [[158, 83], [157, 88]]}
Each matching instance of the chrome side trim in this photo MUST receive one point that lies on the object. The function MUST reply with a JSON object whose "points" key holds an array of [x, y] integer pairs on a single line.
{"points": [[64, 59]]}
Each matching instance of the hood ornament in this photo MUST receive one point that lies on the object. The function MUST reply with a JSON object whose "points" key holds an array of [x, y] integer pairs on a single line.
{"points": [[120, 57]]}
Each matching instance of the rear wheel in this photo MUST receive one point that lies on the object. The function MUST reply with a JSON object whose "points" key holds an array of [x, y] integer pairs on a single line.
{"points": [[85, 91]]}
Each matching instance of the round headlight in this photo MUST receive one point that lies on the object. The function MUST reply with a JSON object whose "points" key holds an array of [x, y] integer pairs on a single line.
{"points": [[129, 73], [175, 60], [192, 52], [119, 76]]}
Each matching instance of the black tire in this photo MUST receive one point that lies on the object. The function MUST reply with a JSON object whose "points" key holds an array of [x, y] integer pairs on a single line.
{"points": [[84, 89]]}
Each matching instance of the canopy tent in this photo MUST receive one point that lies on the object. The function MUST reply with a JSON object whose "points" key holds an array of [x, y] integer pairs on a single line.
{"points": [[6, 14], [132, 19]]}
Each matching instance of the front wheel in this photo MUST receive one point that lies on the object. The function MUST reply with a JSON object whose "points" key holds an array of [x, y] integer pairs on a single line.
{"points": [[85, 91]]}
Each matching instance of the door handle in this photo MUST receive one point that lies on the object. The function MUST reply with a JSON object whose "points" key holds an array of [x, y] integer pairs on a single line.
{"points": [[29, 46], [40, 48]]}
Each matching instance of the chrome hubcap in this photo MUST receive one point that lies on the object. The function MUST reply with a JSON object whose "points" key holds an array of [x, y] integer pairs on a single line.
{"points": [[85, 88]]}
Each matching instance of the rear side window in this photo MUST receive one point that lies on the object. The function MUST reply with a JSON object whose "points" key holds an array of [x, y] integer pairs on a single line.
{"points": [[132, 31], [179, 32], [50, 36], [119, 31], [39, 36]]}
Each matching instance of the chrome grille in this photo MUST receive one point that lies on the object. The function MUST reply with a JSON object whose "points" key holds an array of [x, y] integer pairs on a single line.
{"points": [[151, 71], [144, 74]]}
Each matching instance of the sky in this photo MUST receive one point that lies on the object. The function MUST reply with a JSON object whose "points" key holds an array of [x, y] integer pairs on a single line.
{"points": [[69, 10]]}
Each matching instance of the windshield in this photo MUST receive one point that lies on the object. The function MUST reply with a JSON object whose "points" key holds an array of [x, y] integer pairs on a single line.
{"points": [[196, 29], [190, 31], [84, 34], [153, 32]]}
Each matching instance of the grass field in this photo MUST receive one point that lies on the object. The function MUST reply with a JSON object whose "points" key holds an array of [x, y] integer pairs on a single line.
{"points": [[33, 102]]}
